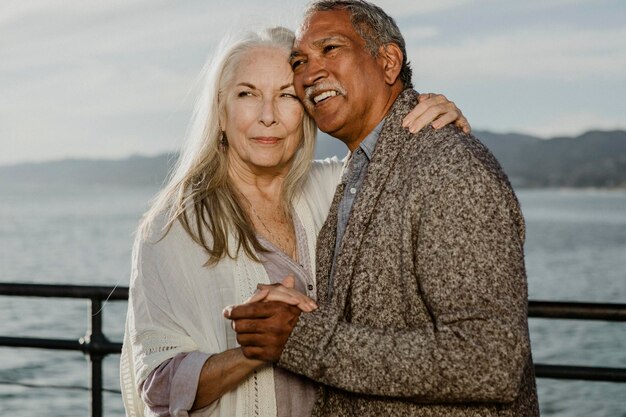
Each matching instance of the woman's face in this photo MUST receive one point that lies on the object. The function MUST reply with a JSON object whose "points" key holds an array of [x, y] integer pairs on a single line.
{"points": [[262, 116]]}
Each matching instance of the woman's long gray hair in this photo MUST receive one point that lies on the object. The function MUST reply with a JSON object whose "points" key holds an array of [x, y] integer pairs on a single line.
{"points": [[199, 192]]}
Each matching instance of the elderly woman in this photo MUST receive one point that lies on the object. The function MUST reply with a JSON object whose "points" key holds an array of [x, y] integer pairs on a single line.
{"points": [[243, 207]]}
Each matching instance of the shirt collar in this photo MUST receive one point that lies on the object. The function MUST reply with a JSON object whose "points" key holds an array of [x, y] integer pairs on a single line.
{"points": [[369, 143]]}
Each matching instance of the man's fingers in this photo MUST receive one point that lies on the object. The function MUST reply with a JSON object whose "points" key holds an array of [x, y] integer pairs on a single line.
{"points": [[250, 311], [265, 325], [243, 326], [252, 352], [261, 353]]}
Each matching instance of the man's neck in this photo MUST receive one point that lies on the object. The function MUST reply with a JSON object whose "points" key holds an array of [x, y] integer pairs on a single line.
{"points": [[354, 142]]}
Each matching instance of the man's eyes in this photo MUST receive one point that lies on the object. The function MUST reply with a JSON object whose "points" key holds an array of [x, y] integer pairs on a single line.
{"points": [[295, 63]]}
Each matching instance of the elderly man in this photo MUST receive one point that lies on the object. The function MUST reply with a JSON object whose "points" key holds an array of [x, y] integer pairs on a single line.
{"points": [[420, 268]]}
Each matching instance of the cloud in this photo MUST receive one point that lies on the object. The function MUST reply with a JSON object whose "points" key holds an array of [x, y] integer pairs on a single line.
{"points": [[557, 52], [573, 124], [400, 8], [86, 78]]}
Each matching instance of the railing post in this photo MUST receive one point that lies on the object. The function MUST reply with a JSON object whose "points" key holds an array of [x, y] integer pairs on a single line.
{"points": [[93, 338]]}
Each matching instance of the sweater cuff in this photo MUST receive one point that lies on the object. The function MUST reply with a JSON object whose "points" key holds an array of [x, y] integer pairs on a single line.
{"points": [[304, 350]]}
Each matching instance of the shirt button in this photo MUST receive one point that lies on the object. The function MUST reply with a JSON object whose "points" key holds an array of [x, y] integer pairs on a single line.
{"points": [[352, 190], [310, 287]]}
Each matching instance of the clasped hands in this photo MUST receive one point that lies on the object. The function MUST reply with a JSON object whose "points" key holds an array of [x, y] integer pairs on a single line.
{"points": [[265, 321]]}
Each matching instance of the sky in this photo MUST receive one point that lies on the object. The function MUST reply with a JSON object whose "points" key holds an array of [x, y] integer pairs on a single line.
{"points": [[108, 79]]}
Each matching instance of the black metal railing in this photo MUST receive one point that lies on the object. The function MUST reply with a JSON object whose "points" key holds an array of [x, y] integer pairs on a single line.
{"points": [[96, 346]]}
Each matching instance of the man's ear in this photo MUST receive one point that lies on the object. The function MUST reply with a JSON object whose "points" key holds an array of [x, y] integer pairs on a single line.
{"points": [[391, 58]]}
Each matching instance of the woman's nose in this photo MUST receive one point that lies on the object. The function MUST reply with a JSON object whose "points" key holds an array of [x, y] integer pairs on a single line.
{"points": [[267, 114]]}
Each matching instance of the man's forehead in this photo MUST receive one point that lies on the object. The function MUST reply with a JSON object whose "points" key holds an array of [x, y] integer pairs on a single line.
{"points": [[323, 25]]}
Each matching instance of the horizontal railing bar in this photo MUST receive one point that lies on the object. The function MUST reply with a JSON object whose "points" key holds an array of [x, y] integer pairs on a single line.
{"points": [[586, 373], [577, 310], [55, 386], [27, 342], [64, 291], [536, 309], [102, 348]]}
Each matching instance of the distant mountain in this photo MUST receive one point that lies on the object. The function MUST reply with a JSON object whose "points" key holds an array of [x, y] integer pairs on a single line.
{"points": [[132, 171], [594, 159]]}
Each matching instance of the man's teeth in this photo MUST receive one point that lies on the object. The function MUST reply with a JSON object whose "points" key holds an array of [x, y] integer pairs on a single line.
{"points": [[324, 95]]}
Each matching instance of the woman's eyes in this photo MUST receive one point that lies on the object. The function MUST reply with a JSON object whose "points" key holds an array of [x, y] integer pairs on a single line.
{"points": [[246, 93]]}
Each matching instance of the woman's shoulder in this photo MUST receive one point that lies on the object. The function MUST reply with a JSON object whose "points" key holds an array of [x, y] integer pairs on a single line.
{"points": [[164, 232], [153, 227], [329, 168]]}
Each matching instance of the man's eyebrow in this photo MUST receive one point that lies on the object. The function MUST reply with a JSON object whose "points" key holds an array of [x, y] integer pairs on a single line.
{"points": [[329, 39], [320, 43], [283, 87]]}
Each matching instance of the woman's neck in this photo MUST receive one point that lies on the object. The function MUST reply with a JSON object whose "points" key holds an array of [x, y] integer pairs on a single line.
{"points": [[257, 186], [261, 198]]}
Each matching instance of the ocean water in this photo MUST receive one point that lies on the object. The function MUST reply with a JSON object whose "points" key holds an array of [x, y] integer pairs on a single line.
{"points": [[575, 250]]}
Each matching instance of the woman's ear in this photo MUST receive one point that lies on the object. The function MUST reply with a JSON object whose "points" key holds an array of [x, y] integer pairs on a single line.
{"points": [[391, 58], [222, 119]]}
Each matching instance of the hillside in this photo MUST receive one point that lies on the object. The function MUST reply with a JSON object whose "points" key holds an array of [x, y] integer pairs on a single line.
{"points": [[594, 159]]}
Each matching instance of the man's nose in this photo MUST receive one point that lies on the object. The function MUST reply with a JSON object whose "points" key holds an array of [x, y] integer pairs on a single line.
{"points": [[314, 71]]}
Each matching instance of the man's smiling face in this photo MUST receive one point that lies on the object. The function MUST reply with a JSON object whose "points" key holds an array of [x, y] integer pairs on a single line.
{"points": [[336, 77]]}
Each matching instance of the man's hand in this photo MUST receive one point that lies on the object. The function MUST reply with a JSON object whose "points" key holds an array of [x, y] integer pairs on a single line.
{"points": [[263, 328]]}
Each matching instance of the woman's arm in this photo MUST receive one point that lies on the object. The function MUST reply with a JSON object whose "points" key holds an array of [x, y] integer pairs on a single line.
{"points": [[221, 373], [199, 378], [436, 110]]}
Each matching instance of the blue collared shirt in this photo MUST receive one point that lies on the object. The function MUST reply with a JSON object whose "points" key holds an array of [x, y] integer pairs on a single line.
{"points": [[353, 179]]}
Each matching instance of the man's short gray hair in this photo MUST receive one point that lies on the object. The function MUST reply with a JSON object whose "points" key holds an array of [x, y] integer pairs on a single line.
{"points": [[371, 22]]}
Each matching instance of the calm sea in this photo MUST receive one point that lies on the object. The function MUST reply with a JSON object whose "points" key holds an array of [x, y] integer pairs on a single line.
{"points": [[575, 250]]}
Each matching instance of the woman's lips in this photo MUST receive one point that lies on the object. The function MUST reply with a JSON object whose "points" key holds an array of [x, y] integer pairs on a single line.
{"points": [[267, 140]]}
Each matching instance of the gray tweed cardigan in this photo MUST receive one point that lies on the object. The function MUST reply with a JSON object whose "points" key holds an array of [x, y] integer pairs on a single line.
{"points": [[429, 312]]}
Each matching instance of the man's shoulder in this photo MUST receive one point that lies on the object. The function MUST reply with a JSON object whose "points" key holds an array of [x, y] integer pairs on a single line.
{"points": [[448, 151]]}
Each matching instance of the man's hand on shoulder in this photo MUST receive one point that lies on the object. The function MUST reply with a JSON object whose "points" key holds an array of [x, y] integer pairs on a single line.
{"points": [[263, 327]]}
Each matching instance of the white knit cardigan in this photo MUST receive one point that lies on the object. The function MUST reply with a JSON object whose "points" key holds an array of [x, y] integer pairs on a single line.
{"points": [[176, 303]]}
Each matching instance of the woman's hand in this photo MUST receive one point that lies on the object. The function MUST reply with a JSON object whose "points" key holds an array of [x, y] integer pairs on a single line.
{"points": [[436, 110], [284, 292]]}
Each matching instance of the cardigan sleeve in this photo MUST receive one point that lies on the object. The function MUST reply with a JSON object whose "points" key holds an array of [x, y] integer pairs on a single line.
{"points": [[155, 333], [471, 269]]}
